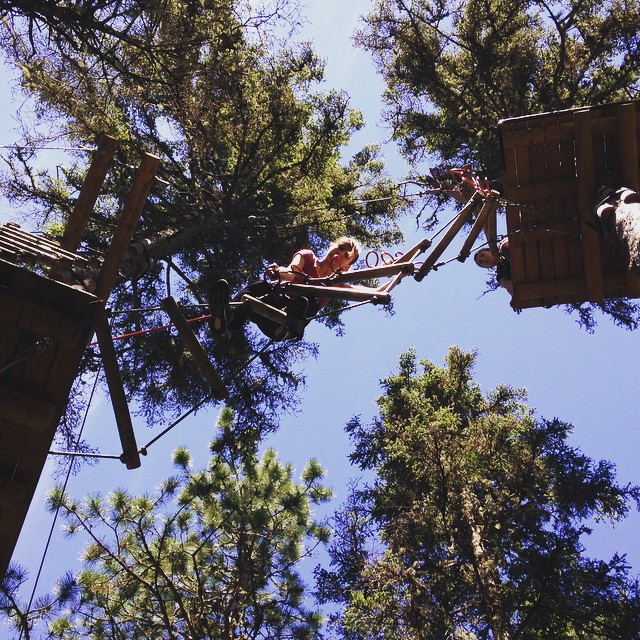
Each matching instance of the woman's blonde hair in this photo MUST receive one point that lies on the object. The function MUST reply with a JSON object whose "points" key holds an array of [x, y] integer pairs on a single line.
{"points": [[347, 244]]}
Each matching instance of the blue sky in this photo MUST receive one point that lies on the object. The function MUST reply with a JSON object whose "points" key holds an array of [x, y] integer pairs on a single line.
{"points": [[589, 380]]}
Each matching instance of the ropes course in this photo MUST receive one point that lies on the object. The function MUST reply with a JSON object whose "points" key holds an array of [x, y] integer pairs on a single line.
{"points": [[557, 253]]}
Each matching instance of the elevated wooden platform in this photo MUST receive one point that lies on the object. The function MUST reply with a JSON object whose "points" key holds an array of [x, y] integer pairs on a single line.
{"points": [[553, 164], [45, 326]]}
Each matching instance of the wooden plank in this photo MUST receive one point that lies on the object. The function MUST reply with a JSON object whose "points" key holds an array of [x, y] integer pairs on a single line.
{"points": [[628, 137], [586, 200], [373, 272], [25, 409], [490, 228], [568, 289], [39, 319], [465, 213], [22, 249], [531, 193], [516, 252], [13, 236], [130, 453], [488, 207], [338, 293], [418, 248], [126, 225], [539, 256], [569, 228], [559, 240], [100, 163], [534, 128], [272, 313], [216, 383]]}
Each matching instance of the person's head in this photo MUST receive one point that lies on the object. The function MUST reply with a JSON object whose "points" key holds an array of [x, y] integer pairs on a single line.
{"points": [[343, 253], [486, 258]]}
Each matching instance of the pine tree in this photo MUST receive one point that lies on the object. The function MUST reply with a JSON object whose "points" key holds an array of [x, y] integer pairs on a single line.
{"points": [[250, 172], [474, 526], [210, 554], [454, 69]]}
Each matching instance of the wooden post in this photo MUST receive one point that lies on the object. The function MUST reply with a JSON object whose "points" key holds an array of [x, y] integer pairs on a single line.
{"points": [[218, 387], [130, 453], [586, 201], [488, 207], [126, 225], [453, 230], [102, 159]]}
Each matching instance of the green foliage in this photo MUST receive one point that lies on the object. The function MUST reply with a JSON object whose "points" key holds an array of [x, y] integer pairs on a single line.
{"points": [[454, 69], [210, 554], [473, 526], [250, 172]]}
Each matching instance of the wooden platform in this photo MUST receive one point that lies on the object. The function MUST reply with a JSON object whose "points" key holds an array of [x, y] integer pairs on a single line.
{"points": [[45, 326], [553, 164]]}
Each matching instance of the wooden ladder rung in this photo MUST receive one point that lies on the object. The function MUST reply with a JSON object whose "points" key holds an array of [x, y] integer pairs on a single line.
{"points": [[130, 452], [192, 343]]}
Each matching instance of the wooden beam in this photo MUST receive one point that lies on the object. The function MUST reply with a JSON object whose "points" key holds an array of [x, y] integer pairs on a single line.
{"points": [[418, 248], [451, 233], [200, 357], [628, 139], [126, 225], [586, 201], [488, 206], [130, 453], [100, 163], [338, 293], [387, 270], [271, 313]]}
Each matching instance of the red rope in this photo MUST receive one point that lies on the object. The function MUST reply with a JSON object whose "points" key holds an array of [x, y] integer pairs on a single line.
{"points": [[160, 328]]}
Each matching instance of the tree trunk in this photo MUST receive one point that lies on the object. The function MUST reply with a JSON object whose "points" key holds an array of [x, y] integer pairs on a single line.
{"points": [[142, 254]]}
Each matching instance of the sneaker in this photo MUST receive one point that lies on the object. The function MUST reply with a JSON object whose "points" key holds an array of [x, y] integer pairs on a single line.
{"points": [[219, 298]]}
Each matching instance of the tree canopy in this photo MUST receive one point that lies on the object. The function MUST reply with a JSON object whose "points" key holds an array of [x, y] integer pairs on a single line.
{"points": [[453, 69], [210, 554], [251, 169], [475, 522]]}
